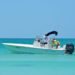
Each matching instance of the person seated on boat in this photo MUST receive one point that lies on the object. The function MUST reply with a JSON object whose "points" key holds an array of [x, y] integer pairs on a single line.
{"points": [[44, 41], [55, 43], [38, 39]]}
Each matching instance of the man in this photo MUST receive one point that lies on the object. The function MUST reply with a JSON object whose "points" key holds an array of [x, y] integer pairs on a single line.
{"points": [[55, 43], [44, 41]]}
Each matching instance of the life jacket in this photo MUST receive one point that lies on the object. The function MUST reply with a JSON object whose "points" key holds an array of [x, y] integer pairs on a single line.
{"points": [[56, 42]]}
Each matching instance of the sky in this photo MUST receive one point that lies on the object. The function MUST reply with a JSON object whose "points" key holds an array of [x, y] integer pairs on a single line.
{"points": [[29, 18]]}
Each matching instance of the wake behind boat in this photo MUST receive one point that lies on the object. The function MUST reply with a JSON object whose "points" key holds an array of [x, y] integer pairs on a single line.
{"points": [[40, 46]]}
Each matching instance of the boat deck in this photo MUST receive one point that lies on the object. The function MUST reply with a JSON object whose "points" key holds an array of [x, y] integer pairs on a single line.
{"points": [[30, 46]]}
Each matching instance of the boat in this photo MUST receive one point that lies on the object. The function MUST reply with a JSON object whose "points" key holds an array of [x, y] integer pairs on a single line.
{"points": [[32, 49], [39, 47]]}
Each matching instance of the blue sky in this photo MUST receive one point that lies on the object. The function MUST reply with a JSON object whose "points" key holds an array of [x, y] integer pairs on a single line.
{"points": [[28, 18]]}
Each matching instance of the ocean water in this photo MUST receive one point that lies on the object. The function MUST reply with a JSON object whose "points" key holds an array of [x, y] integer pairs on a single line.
{"points": [[35, 64]]}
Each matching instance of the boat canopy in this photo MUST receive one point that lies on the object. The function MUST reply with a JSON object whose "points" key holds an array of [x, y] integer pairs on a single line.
{"points": [[52, 32]]}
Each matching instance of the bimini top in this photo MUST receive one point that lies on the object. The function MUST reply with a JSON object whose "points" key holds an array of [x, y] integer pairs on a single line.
{"points": [[52, 32]]}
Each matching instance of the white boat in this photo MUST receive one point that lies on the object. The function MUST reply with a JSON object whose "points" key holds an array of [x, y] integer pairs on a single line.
{"points": [[39, 48], [35, 48]]}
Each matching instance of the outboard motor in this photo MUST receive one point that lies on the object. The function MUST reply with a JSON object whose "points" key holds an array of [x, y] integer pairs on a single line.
{"points": [[69, 49]]}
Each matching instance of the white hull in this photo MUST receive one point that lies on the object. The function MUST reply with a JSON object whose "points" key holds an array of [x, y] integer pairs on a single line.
{"points": [[28, 48]]}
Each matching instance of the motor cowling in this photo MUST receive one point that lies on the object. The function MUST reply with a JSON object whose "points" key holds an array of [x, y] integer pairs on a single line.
{"points": [[69, 49]]}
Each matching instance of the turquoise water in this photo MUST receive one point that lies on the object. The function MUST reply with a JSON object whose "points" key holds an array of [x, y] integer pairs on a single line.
{"points": [[35, 64]]}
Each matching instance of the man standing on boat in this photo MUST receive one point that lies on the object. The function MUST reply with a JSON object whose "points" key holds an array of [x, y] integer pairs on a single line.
{"points": [[55, 43]]}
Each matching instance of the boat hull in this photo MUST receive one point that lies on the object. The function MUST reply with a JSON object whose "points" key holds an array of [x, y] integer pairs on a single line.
{"points": [[29, 50]]}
